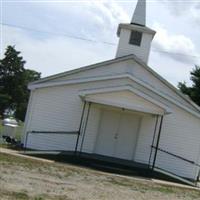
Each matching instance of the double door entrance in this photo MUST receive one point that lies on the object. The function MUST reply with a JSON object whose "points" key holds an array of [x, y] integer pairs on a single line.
{"points": [[117, 134]]}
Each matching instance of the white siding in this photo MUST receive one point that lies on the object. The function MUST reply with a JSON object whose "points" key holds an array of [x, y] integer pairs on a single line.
{"points": [[131, 67], [111, 69], [142, 74], [51, 109], [181, 136], [59, 142], [60, 108], [92, 129], [124, 48], [126, 99], [145, 138]]}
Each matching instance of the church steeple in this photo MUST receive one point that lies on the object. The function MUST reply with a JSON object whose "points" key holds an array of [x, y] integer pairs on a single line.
{"points": [[139, 16], [136, 38]]}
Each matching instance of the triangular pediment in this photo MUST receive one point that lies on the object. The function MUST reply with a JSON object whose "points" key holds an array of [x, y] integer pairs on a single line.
{"points": [[127, 98]]}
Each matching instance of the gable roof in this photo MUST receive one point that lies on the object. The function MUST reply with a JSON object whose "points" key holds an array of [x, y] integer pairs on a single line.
{"points": [[116, 60], [80, 69]]}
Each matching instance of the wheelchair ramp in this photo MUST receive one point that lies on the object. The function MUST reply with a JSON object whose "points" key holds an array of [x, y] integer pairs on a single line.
{"points": [[176, 177]]}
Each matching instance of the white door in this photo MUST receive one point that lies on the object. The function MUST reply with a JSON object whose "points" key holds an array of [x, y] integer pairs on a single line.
{"points": [[107, 131], [117, 134], [127, 136]]}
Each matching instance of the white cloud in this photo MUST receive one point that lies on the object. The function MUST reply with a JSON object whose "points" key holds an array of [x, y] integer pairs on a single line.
{"points": [[96, 20], [108, 10], [180, 47], [113, 10], [185, 8], [55, 54], [195, 14], [100, 15], [51, 54]]}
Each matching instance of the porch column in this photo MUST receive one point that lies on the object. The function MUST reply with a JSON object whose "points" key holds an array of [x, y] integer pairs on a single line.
{"points": [[82, 133], [157, 143], [80, 126], [153, 140]]}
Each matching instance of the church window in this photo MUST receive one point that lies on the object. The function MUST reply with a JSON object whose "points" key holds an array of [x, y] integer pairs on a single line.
{"points": [[135, 38]]}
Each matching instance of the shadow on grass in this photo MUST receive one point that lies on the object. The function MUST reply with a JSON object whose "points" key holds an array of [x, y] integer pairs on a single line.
{"points": [[106, 164], [83, 160], [10, 146]]}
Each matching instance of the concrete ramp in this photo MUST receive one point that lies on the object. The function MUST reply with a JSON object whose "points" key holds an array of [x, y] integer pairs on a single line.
{"points": [[176, 177]]}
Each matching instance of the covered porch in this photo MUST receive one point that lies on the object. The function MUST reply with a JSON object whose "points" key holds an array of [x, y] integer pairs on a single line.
{"points": [[120, 124]]}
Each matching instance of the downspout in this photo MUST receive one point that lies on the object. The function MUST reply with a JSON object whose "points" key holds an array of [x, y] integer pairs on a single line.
{"points": [[86, 122], [157, 144], [80, 126]]}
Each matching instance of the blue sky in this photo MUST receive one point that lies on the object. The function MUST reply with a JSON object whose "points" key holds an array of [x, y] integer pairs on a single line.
{"points": [[177, 24]]}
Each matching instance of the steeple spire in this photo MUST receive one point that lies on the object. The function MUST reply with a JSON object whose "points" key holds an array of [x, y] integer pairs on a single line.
{"points": [[139, 16], [135, 37]]}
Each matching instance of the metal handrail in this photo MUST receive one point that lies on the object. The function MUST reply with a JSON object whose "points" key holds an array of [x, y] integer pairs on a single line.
{"points": [[188, 181], [177, 156], [54, 132], [49, 132]]}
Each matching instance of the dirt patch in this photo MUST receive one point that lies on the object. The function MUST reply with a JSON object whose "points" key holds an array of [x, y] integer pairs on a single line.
{"points": [[22, 178]]}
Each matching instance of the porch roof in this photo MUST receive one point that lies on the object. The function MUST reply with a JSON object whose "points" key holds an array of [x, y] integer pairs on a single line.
{"points": [[125, 97]]}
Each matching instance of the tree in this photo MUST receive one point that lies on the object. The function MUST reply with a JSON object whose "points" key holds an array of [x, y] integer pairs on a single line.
{"points": [[14, 79], [194, 91], [4, 102], [27, 77]]}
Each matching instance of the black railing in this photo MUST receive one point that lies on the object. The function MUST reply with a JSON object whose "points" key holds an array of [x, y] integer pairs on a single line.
{"points": [[176, 156], [54, 132], [196, 179], [49, 132]]}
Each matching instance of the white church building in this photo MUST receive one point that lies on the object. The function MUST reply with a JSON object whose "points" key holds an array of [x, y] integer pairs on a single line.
{"points": [[119, 109]]}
